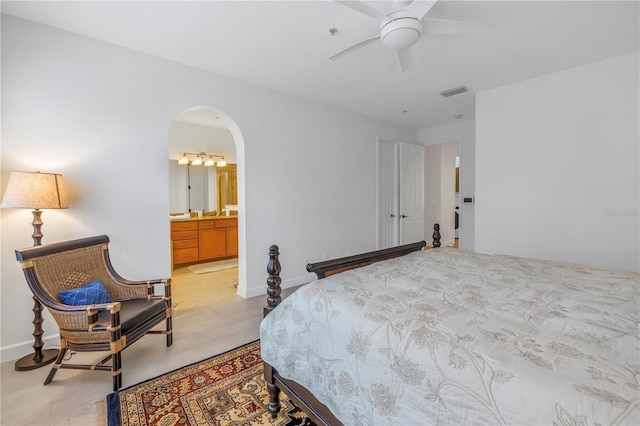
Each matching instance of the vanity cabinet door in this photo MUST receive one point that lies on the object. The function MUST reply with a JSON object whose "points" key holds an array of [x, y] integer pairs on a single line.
{"points": [[232, 241], [212, 243]]}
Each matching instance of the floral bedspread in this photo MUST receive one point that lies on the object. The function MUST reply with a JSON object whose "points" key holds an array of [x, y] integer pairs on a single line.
{"points": [[449, 336]]}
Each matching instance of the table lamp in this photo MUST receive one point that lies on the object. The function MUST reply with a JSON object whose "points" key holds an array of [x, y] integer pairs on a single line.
{"points": [[35, 190]]}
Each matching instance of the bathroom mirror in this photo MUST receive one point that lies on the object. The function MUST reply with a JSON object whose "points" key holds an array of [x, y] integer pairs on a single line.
{"points": [[227, 180], [193, 188]]}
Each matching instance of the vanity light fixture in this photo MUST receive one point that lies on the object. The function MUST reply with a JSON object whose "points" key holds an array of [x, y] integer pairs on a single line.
{"points": [[201, 158]]}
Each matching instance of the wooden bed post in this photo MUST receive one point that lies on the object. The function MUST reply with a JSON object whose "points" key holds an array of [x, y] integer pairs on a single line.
{"points": [[274, 391], [436, 235], [273, 300], [273, 281]]}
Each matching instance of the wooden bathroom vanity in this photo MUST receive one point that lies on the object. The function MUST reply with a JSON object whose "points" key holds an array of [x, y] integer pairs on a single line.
{"points": [[204, 239]]}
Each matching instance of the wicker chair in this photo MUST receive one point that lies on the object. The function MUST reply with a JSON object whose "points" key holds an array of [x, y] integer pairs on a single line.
{"points": [[133, 312]]}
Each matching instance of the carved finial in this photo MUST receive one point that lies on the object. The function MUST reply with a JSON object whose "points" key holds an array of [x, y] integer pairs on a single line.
{"points": [[273, 280], [436, 235]]}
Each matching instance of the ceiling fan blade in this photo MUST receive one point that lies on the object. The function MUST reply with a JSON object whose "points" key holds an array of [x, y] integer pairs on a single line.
{"points": [[419, 8], [362, 8], [444, 26], [405, 59], [354, 47]]}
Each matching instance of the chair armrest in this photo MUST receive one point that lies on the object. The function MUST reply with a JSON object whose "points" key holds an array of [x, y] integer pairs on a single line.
{"points": [[114, 310], [111, 307], [134, 289], [57, 306], [143, 282], [85, 317]]}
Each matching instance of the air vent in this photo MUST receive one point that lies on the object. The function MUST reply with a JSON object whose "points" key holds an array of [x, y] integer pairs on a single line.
{"points": [[454, 91]]}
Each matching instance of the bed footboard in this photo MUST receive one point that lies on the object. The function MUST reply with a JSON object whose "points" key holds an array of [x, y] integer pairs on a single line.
{"points": [[335, 266]]}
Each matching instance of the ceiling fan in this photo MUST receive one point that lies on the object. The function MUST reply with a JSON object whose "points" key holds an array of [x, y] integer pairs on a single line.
{"points": [[402, 26]]}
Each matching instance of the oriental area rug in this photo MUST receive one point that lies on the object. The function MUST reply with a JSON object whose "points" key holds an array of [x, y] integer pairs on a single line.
{"points": [[227, 389]]}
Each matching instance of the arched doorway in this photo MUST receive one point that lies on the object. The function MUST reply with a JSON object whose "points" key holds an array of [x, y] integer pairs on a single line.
{"points": [[203, 131]]}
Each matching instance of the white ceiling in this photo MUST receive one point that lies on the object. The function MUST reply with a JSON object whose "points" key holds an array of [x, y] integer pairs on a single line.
{"points": [[285, 45]]}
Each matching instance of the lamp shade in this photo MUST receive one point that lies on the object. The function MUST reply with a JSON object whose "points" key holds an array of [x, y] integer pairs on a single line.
{"points": [[35, 190]]}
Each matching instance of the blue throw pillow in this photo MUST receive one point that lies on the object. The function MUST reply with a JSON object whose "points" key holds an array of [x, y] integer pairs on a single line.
{"points": [[88, 294]]}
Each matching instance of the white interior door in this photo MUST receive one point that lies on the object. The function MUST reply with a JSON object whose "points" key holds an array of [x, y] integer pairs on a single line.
{"points": [[388, 202], [411, 192]]}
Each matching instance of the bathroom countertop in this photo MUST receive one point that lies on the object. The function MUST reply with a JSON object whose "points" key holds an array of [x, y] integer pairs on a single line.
{"points": [[203, 218]]}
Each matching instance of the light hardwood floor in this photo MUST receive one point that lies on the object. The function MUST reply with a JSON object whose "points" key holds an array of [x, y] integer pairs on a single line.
{"points": [[211, 323]]}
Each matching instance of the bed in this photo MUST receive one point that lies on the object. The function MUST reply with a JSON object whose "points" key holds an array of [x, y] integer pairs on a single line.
{"points": [[447, 336]]}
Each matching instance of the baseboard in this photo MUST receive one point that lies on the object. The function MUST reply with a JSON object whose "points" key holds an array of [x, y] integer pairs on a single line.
{"points": [[448, 243], [18, 350], [288, 283]]}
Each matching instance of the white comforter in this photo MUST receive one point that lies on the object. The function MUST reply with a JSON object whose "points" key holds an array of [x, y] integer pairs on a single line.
{"points": [[447, 336]]}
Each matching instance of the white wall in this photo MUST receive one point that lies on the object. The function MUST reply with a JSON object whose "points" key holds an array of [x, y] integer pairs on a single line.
{"points": [[462, 132], [557, 166], [91, 111]]}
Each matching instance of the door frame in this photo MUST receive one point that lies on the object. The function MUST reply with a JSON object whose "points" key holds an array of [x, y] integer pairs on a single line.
{"points": [[238, 139], [396, 210], [428, 226], [396, 201]]}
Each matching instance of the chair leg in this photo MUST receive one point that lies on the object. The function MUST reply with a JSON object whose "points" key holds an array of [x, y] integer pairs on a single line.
{"points": [[116, 370], [169, 331], [117, 382], [56, 364]]}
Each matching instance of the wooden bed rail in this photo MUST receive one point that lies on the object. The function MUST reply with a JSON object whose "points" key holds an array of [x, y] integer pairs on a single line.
{"points": [[334, 266]]}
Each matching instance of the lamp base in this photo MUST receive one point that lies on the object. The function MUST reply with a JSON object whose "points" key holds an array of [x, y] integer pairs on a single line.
{"points": [[28, 363]]}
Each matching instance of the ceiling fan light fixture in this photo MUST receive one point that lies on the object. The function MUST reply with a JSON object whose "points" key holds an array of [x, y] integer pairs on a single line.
{"points": [[401, 32]]}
